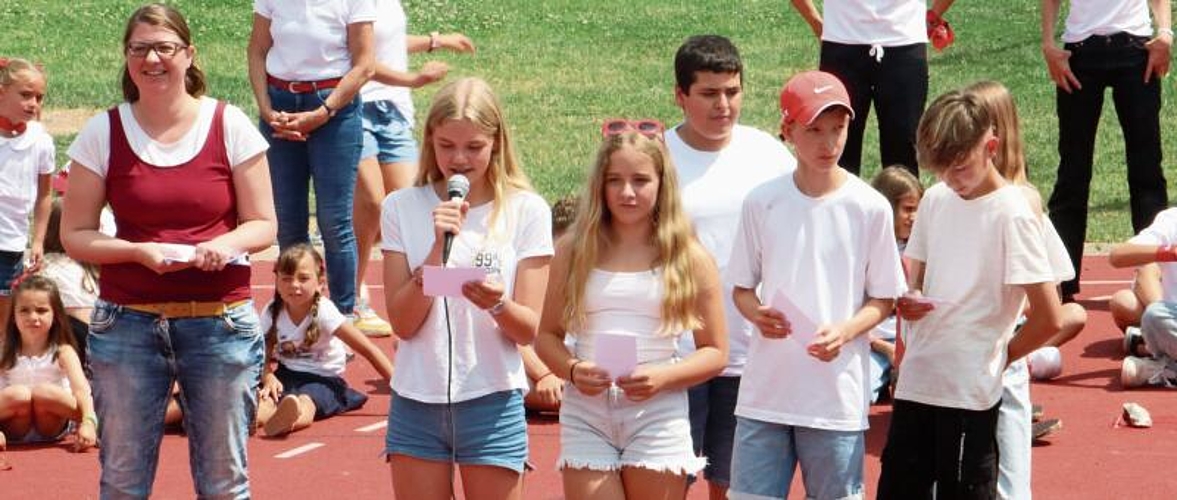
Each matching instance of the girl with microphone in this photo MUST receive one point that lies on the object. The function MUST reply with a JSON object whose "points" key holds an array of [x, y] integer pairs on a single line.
{"points": [[459, 383]]}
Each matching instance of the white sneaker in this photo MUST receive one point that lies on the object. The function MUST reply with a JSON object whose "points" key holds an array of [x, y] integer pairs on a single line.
{"points": [[1136, 372]]}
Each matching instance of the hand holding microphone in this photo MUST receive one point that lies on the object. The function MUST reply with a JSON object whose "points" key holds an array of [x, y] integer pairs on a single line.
{"points": [[449, 215]]}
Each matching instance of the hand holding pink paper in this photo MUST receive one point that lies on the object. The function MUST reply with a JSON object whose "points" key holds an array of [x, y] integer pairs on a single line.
{"points": [[447, 281], [803, 328], [616, 353]]}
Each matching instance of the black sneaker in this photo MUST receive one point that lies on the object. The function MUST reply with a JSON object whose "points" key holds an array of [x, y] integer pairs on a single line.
{"points": [[1046, 427]]}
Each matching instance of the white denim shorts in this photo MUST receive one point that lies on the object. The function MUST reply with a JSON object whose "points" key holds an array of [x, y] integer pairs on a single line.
{"points": [[607, 432]]}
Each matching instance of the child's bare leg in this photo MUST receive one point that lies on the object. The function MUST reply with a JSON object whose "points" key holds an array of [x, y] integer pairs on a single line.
{"points": [[293, 413], [1125, 308], [16, 410], [306, 412], [53, 407], [1074, 319], [265, 410]]}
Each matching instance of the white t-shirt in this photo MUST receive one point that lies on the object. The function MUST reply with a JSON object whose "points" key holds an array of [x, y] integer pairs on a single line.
{"points": [[484, 360], [327, 357], [1163, 231], [714, 185], [977, 254], [243, 141], [77, 290], [1105, 17], [22, 160], [887, 23], [310, 36], [392, 50], [827, 255]]}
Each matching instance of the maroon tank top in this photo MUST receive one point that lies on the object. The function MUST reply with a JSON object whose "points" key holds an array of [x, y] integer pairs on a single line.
{"points": [[188, 203]]}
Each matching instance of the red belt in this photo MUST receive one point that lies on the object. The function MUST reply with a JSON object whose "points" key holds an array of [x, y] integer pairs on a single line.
{"points": [[302, 87]]}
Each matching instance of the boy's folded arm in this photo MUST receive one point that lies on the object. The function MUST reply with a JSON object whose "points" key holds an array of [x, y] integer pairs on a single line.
{"points": [[872, 312], [1136, 254], [1043, 322]]}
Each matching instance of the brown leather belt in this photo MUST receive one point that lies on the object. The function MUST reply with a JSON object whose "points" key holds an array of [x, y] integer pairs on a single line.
{"points": [[302, 87], [186, 309]]}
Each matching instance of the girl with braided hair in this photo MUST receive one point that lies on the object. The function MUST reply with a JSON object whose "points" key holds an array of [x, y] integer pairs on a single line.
{"points": [[306, 334]]}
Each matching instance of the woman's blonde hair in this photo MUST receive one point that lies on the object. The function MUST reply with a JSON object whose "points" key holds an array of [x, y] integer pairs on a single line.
{"points": [[472, 99], [1010, 159], [673, 238]]}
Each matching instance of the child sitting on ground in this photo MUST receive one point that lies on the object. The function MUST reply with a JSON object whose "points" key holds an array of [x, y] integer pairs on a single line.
{"points": [[43, 391], [1158, 323], [307, 334]]}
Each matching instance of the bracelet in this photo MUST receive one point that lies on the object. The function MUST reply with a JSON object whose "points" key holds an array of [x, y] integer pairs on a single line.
{"points": [[541, 377], [572, 371], [330, 111], [92, 418], [1165, 31], [1166, 253], [497, 308], [434, 41]]}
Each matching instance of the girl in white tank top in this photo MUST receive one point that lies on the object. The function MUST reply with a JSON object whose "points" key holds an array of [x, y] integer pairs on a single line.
{"points": [[630, 268]]}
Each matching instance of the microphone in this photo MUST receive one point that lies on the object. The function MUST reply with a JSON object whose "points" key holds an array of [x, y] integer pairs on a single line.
{"points": [[457, 188]]}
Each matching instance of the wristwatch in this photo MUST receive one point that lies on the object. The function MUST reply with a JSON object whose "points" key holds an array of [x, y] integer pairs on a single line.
{"points": [[434, 41]]}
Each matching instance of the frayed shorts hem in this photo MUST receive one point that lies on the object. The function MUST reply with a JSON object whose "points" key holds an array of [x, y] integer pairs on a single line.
{"points": [[682, 468]]}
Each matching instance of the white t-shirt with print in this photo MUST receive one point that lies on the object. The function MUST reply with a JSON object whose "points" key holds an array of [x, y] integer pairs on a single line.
{"points": [[827, 255], [1163, 231], [977, 253], [887, 23], [714, 185], [392, 50], [1106, 17], [327, 357], [310, 36], [243, 141], [484, 360], [23, 159]]}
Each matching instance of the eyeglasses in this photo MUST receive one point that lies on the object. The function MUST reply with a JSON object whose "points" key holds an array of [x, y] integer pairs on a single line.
{"points": [[165, 50], [647, 127]]}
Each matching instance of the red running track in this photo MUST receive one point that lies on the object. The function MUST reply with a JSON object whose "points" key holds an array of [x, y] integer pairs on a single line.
{"points": [[1091, 458]]}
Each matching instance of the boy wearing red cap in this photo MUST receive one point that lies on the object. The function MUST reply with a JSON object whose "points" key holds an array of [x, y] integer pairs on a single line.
{"points": [[819, 243], [976, 252]]}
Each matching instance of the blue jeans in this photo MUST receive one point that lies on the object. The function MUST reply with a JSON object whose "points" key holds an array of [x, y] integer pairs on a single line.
{"points": [[217, 361], [329, 156], [1158, 326], [713, 425], [766, 455]]}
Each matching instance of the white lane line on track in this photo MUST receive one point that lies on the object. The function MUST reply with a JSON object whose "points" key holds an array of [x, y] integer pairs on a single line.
{"points": [[1106, 282], [1101, 298], [299, 450], [271, 287], [373, 427]]}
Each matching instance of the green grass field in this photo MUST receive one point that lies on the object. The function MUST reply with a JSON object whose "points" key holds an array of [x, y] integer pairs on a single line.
{"points": [[561, 66]]}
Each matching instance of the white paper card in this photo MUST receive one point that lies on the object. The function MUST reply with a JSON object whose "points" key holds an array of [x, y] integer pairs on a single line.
{"points": [[616, 353], [803, 328], [178, 252], [448, 281]]}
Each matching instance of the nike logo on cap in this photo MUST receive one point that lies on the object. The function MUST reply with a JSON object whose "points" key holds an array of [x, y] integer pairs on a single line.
{"points": [[822, 89]]}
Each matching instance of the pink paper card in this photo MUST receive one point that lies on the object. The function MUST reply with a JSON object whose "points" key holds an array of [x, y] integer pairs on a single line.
{"points": [[804, 329], [616, 353], [447, 281]]}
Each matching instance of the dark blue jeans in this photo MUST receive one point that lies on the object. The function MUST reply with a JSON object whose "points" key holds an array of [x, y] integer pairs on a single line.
{"points": [[329, 156], [898, 86], [1101, 62]]}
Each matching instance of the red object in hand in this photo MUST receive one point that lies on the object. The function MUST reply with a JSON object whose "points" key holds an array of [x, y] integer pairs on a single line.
{"points": [[1167, 253], [939, 31]]}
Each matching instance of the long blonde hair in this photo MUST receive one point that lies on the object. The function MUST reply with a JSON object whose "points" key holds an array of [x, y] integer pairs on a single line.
{"points": [[673, 238], [1010, 159], [472, 99]]}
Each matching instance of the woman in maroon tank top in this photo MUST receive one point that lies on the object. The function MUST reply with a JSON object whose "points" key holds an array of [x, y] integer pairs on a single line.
{"points": [[187, 180]]}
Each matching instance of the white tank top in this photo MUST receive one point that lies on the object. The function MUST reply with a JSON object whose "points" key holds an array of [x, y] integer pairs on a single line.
{"points": [[626, 302], [37, 370]]}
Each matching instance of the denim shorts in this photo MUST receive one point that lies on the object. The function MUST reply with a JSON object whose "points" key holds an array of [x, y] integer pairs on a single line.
{"points": [[607, 432], [766, 455], [11, 265], [388, 135], [489, 430], [713, 425]]}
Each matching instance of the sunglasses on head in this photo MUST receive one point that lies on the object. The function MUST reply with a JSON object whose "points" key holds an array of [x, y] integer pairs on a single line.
{"points": [[647, 127]]}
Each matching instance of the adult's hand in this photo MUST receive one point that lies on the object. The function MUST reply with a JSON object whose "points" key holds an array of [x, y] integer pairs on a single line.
{"points": [[1058, 63], [1159, 49]]}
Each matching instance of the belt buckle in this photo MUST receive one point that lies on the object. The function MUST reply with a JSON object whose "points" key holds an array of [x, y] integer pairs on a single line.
{"points": [[290, 87]]}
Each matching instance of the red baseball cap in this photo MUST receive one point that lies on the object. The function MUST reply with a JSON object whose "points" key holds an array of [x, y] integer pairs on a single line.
{"points": [[807, 94]]}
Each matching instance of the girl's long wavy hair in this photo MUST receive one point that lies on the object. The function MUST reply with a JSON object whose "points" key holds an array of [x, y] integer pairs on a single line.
{"points": [[287, 264], [1010, 159], [472, 99], [60, 332], [673, 236]]}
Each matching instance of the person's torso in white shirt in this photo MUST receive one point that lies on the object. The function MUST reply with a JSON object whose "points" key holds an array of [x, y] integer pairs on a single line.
{"points": [[886, 23], [392, 50], [1105, 17], [310, 39]]}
